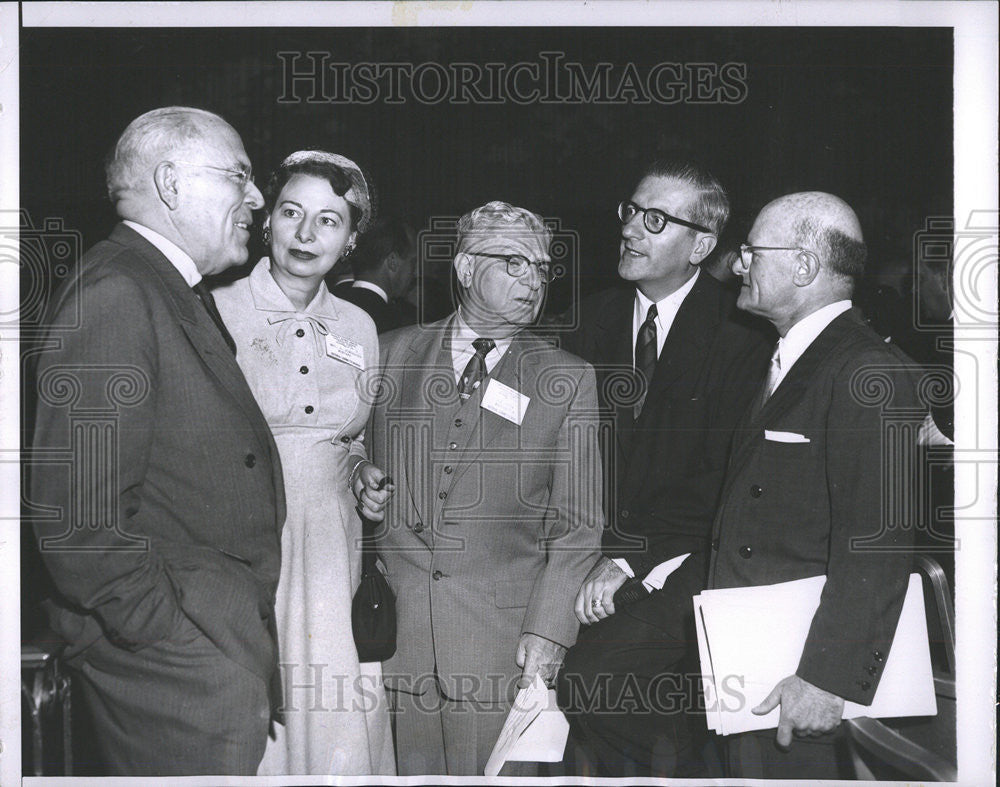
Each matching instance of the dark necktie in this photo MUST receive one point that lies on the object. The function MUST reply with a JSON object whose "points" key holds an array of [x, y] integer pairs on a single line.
{"points": [[645, 356], [475, 369], [208, 301]]}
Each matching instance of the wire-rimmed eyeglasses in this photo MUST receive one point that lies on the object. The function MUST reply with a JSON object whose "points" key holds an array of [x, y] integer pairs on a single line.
{"points": [[518, 265], [241, 176], [654, 219]]}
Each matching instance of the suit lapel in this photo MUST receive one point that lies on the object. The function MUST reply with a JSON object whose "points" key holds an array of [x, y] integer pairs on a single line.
{"points": [[194, 320]]}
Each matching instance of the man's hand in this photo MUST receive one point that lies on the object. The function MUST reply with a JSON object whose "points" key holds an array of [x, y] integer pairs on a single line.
{"points": [[370, 493], [805, 709], [537, 655], [599, 586]]}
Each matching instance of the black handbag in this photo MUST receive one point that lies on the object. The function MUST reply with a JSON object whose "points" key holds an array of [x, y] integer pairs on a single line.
{"points": [[373, 610]]}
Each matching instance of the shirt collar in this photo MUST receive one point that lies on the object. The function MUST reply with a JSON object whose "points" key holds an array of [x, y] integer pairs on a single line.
{"points": [[462, 335], [174, 253], [804, 332], [268, 296], [667, 305], [362, 284]]}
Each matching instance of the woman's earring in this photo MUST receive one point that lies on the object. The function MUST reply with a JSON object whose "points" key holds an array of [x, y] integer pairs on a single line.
{"points": [[348, 249], [266, 234]]}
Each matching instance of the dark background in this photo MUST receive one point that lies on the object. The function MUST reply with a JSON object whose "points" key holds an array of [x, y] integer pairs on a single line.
{"points": [[864, 113]]}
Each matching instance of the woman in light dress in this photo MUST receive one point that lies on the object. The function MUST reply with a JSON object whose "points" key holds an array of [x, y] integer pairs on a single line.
{"points": [[309, 357]]}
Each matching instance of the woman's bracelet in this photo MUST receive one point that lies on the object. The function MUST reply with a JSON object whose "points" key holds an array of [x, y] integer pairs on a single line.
{"points": [[354, 473]]}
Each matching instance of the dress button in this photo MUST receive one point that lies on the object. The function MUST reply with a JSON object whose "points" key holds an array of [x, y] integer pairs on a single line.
{"points": [[300, 333], [623, 513], [745, 552], [303, 370], [756, 491], [309, 409], [442, 495], [458, 422], [715, 544], [865, 685], [448, 469], [250, 460], [877, 654], [418, 528], [345, 439], [452, 446], [437, 575]]}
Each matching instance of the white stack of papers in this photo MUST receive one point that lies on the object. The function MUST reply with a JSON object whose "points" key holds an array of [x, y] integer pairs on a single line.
{"points": [[751, 638], [535, 730]]}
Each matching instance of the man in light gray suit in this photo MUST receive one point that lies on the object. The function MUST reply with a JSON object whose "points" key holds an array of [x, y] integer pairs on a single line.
{"points": [[162, 531], [491, 437]]}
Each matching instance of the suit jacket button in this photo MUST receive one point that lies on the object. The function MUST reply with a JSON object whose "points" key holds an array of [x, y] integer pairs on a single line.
{"points": [[745, 551], [442, 495], [865, 685], [418, 528], [872, 670], [452, 446], [250, 460], [458, 422], [756, 491], [437, 575], [877, 654], [623, 513], [715, 544], [448, 469]]}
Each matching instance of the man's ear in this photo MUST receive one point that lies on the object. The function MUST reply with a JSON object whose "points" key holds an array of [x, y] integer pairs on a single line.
{"points": [[703, 246], [807, 268], [167, 186], [463, 269]]}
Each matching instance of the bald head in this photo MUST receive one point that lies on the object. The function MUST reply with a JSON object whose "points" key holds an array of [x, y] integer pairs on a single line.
{"points": [[825, 225]]}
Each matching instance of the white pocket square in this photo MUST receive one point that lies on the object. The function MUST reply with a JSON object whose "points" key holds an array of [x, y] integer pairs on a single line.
{"points": [[785, 437]]}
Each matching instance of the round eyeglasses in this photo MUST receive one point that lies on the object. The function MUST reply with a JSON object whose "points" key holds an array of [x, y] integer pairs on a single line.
{"points": [[518, 265], [654, 219]]}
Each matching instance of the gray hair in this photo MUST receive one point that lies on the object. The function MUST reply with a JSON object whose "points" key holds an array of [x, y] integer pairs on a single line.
{"points": [[148, 139], [499, 218]]}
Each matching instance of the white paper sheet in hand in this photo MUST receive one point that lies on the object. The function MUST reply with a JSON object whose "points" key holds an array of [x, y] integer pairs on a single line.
{"points": [[535, 730], [754, 638]]}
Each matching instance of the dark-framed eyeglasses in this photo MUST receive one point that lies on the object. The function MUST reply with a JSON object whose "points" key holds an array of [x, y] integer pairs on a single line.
{"points": [[518, 265], [654, 219], [242, 176], [747, 251]]}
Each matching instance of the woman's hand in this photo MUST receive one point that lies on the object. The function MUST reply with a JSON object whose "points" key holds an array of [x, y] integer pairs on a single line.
{"points": [[372, 488]]}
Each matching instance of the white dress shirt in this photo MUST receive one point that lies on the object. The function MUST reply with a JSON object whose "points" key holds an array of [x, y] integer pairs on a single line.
{"points": [[666, 311], [361, 284], [794, 343], [177, 256], [462, 337]]}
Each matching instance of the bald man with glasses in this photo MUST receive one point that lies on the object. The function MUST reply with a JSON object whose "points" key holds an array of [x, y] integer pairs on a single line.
{"points": [[676, 365]]}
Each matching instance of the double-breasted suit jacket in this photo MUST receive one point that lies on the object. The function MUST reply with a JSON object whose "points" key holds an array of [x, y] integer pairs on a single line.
{"points": [[165, 522], [817, 484], [493, 525]]}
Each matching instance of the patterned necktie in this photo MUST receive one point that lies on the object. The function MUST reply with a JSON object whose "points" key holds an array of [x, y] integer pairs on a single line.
{"points": [[208, 301], [645, 356], [773, 372], [475, 369]]}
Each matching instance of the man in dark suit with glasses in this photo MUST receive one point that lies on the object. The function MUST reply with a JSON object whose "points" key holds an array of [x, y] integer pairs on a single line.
{"points": [[676, 366]]}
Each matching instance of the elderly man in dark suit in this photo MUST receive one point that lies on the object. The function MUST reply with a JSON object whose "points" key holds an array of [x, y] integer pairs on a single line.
{"points": [[490, 435], [676, 365], [164, 534], [817, 473]]}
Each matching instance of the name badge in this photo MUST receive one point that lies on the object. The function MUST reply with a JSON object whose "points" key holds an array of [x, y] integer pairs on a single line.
{"points": [[505, 401], [346, 350]]}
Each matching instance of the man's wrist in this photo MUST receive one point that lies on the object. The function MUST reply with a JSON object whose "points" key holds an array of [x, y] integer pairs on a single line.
{"points": [[622, 563]]}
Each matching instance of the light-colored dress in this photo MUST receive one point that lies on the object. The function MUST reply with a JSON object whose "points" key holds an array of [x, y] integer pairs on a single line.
{"points": [[308, 370]]}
